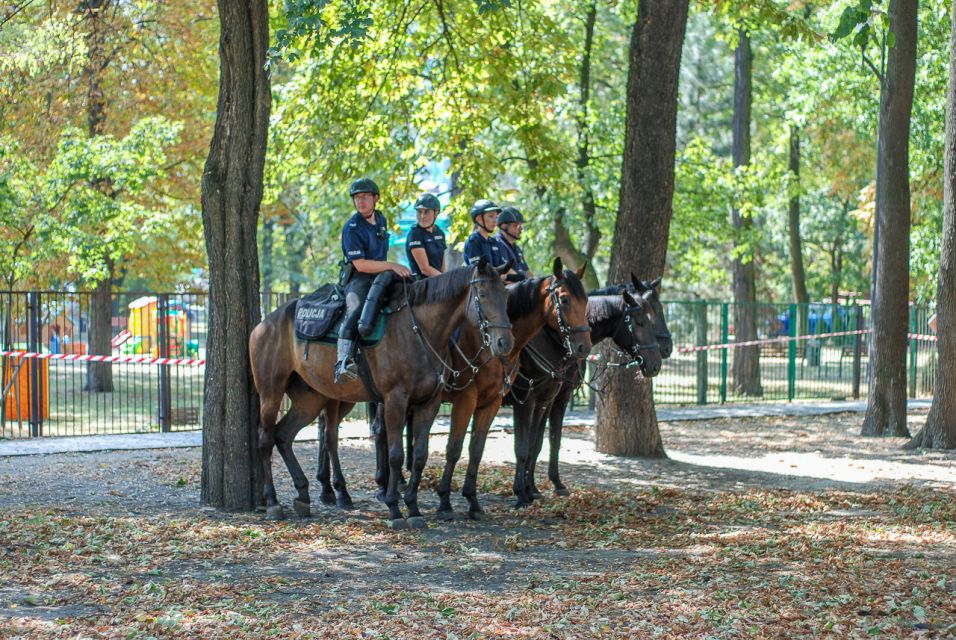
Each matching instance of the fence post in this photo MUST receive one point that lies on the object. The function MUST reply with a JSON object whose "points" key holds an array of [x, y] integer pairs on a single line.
{"points": [[34, 338], [724, 333], [792, 355], [912, 346], [857, 351], [701, 340], [165, 401]]}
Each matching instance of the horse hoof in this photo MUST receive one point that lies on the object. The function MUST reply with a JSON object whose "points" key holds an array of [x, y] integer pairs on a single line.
{"points": [[327, 498], [536, 495], [445, 514], [398, 524], [380, 495], [477, 515], [402, 486], [302, 509], [521, 504], [275, 512], [562, 491], [345, 503], [417, 522]]}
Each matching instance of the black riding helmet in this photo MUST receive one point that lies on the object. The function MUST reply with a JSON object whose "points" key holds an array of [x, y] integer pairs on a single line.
{"points": [[428, 201], [363, 185], [509, 215], [483, 206]]}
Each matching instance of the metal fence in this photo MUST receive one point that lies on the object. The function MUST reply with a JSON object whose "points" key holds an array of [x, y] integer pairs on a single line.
{"points": [[51, 397]]}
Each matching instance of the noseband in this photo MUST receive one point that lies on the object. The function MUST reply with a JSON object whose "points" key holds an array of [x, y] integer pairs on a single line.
{"points": [[483, 323], [567, 331]]}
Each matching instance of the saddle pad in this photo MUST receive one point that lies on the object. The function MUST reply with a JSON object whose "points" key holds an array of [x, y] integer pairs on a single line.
{"points": [[378, 330], [316, 314]]}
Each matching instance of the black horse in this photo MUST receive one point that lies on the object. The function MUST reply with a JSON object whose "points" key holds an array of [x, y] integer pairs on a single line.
{"points": [[632, 316]]}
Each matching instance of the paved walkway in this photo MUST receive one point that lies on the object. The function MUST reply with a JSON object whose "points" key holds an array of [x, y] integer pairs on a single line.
{"points": [[359, 429]]}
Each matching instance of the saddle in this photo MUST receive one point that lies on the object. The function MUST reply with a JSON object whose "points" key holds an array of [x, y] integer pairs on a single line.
{"points": [[319, 315]]}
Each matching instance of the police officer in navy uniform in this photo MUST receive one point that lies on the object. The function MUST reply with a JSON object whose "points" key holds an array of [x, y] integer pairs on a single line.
{"points": [[365, 245], [484, 214], [510, 226], [425, 243]]}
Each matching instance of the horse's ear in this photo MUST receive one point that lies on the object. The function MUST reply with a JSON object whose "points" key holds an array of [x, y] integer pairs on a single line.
{"points": [[638, 285], [558, 268], [655, 283], [482, 264], [580, 272], [505, 268], [629, 299]]}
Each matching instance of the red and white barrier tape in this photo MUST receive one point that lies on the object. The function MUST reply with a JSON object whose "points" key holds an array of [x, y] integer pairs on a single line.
{"points": [[113, 359]]}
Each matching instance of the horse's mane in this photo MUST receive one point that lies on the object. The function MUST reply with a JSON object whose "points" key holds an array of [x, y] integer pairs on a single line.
{"points": [[436, 288], [523, 298], [602, 308], [614, 289]]}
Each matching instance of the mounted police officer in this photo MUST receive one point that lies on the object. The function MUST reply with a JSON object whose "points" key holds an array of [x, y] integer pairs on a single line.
{"points": [[510, 225], [425, 243], [365, 245], [484, 214]]}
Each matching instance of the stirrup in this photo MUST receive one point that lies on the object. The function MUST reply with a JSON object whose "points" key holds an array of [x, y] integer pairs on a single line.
{"points": [[345, 371]]}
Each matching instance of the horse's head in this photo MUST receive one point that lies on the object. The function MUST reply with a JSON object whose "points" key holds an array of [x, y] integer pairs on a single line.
{"points": [[487, 307], [567, 309], [635, 333], [651, 292]]}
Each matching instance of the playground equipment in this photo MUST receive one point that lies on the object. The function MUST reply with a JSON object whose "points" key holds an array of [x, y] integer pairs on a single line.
{"points": [[142, 334]]}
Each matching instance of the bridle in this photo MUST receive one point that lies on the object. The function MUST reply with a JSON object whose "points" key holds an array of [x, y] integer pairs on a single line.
{"points": [[632, 353], [484, 327], [566, 331]]}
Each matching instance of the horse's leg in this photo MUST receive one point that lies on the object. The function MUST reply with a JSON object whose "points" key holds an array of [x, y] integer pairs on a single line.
{"points": [[333, 413], [539, 421], [476, 448], [323, 473], [268, 409], [409, 441], [523, 416], [423, 417], [306, 405], [396, 407], [461, 411], [381, 452], [555, 423]]}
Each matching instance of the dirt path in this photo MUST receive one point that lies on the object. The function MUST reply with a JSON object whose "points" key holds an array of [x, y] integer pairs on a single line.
{"points": [[116, 544]]}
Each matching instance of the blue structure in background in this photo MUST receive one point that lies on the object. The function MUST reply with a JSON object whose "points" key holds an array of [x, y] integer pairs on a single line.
{"points": [[434, 179], [819, 319]]}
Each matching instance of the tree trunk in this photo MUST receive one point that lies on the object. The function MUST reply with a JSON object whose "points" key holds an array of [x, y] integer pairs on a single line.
{"points": [[626, 418], [746, 359], [886, 401], [231, 194], [99, 375], [940, 429], [797, 274]]}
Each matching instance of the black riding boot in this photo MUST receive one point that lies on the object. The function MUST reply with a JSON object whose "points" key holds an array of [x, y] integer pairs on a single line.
{"points": [[345, 370], [373, 303]]}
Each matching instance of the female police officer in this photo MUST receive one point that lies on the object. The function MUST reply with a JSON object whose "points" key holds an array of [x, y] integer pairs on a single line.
{"points": [[425, 243], [365, 245]]}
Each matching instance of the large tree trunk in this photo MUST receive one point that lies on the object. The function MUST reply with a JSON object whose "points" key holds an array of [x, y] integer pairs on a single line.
{"points": [[886, 401], [746, 369], [231, 194], [268, 232], [627, 420], [797, 274], [940, 429]]}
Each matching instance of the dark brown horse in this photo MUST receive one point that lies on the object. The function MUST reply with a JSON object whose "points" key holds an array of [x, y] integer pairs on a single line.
{"points": [[558, 302], [548, 378], [408, 368]]}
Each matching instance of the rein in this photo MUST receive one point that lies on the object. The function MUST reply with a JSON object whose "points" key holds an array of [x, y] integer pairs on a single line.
{"points": [[483, 326]]}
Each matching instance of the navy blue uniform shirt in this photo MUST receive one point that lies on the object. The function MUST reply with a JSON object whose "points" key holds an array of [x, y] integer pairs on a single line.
{"points": [[512, 252], [364, 241], [476, 246], [433, 242]]}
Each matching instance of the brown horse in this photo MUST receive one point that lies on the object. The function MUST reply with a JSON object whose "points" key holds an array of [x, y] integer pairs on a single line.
{"points": [[557, 301], [408, 368]]}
